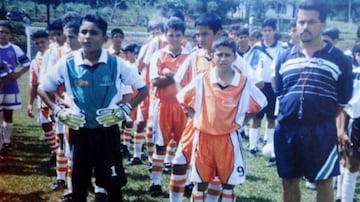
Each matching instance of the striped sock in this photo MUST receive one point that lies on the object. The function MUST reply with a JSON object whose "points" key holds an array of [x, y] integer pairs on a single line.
{"points": [[157, 168], [228, 195], [139, 139], [214, 190], [176, 187]]}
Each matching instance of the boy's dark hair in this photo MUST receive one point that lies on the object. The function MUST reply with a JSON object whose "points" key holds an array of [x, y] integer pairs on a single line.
{"points": [[256, 34], [74, 25], [242, 31], [39, 34], [176, 24], [318, 5], [269, 23], [132, 48], [355, 49], [117, 31], [71, 16], [55, 25], [7, 25], [331, 32], [157, 23], [97, 20], [292, 24], [224, 41], [211, 20], [176, 13]]}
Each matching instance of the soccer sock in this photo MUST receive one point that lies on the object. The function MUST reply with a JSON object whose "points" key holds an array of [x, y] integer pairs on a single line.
{"points": [[198, 196], [127, 137], [50, 137], [170, 151], [139, 139], [348, 186], [339, 182], [228, 195], [69, 175], [214, 190], [150, 143], [253, 137], [8, 127], [157, 168], [176, 187], [98, 189], [269, 134], [61, 165]]}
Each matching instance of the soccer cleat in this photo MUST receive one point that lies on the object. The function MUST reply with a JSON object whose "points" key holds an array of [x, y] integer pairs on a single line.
{"points": [[134, 161], [100, 197], [66, 198], [310, 185], [5, 154], [57, 185], [271, 162], [252, 152], [8, 146], [125, 152], [155, 190], [188, 190]]}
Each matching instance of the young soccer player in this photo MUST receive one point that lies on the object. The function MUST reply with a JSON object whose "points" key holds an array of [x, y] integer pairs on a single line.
{"points": [[41, 40], [117, 37], [231, 100], [12, 56], [93, 117], [170, 120]]}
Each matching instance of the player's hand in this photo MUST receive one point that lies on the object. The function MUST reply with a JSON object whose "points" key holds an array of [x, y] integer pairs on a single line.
{"points": [[111, 116], [74, 120], [30, 111]]}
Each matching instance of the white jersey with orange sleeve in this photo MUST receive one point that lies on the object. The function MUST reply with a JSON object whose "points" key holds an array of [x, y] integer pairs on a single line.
{"points": [[244, 67], [353, 106]]}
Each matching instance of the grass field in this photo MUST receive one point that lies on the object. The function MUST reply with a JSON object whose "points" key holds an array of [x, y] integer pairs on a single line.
{"points": [[28, 176]]}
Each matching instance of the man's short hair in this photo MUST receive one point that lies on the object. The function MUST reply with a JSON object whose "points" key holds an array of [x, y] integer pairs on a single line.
{"points": [[331, 32], [318, 5]]}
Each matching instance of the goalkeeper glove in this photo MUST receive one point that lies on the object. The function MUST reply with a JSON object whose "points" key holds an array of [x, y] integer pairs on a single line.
{"points": [[68, 117], [108, 117]]}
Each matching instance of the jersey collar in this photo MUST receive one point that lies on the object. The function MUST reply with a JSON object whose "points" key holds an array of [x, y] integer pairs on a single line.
{"points": [[235, 81]]}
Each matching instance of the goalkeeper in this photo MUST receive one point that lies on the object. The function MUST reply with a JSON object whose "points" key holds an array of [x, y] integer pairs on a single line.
{"points": [[92, 81]]}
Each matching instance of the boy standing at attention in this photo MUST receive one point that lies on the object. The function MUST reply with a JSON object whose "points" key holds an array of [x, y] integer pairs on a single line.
{"points": [[170, 120], [220, 101], [93, 118], [12, 56]]}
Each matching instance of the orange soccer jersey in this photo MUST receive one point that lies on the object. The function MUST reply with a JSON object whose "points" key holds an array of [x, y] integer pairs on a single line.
{"points": [[171, 117]]}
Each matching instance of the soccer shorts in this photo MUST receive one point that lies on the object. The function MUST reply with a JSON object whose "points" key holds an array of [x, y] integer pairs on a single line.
{"points": [[171, 122], [10, 101], [269, 110], [218, 155], [308, 150], [184, 151]]}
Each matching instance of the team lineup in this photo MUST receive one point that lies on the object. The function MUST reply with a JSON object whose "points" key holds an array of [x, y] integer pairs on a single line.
{"points": [[185, 104]]}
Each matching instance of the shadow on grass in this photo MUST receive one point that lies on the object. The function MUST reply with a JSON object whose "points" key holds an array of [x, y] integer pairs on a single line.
{"points": [[15, 197], [30, 154], [252, 199]]}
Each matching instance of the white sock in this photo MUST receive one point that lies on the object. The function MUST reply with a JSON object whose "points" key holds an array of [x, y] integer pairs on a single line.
{"points": [[8, 128], [214, 190], [348, 186], [157, 166], [269, 133], [253, 137], [139, 139], [339, 182], [198, 196]]}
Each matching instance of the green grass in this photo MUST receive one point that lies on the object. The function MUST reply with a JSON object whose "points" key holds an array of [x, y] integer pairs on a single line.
{"points": [[28, 176]]}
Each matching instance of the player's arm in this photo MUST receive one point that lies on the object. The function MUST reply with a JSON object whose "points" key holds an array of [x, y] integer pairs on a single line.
{"points": [[23, 60]]}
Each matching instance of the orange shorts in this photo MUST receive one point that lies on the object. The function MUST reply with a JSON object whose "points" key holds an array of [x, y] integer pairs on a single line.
{"points": [[219, 155], [171, 122]]}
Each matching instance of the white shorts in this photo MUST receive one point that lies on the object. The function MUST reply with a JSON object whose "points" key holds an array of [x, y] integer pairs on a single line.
{"points": [[10, 101]]}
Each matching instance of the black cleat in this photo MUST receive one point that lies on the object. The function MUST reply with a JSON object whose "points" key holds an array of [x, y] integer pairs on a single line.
{"points": [[134, 161], [57, 185], [155, 190]]}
